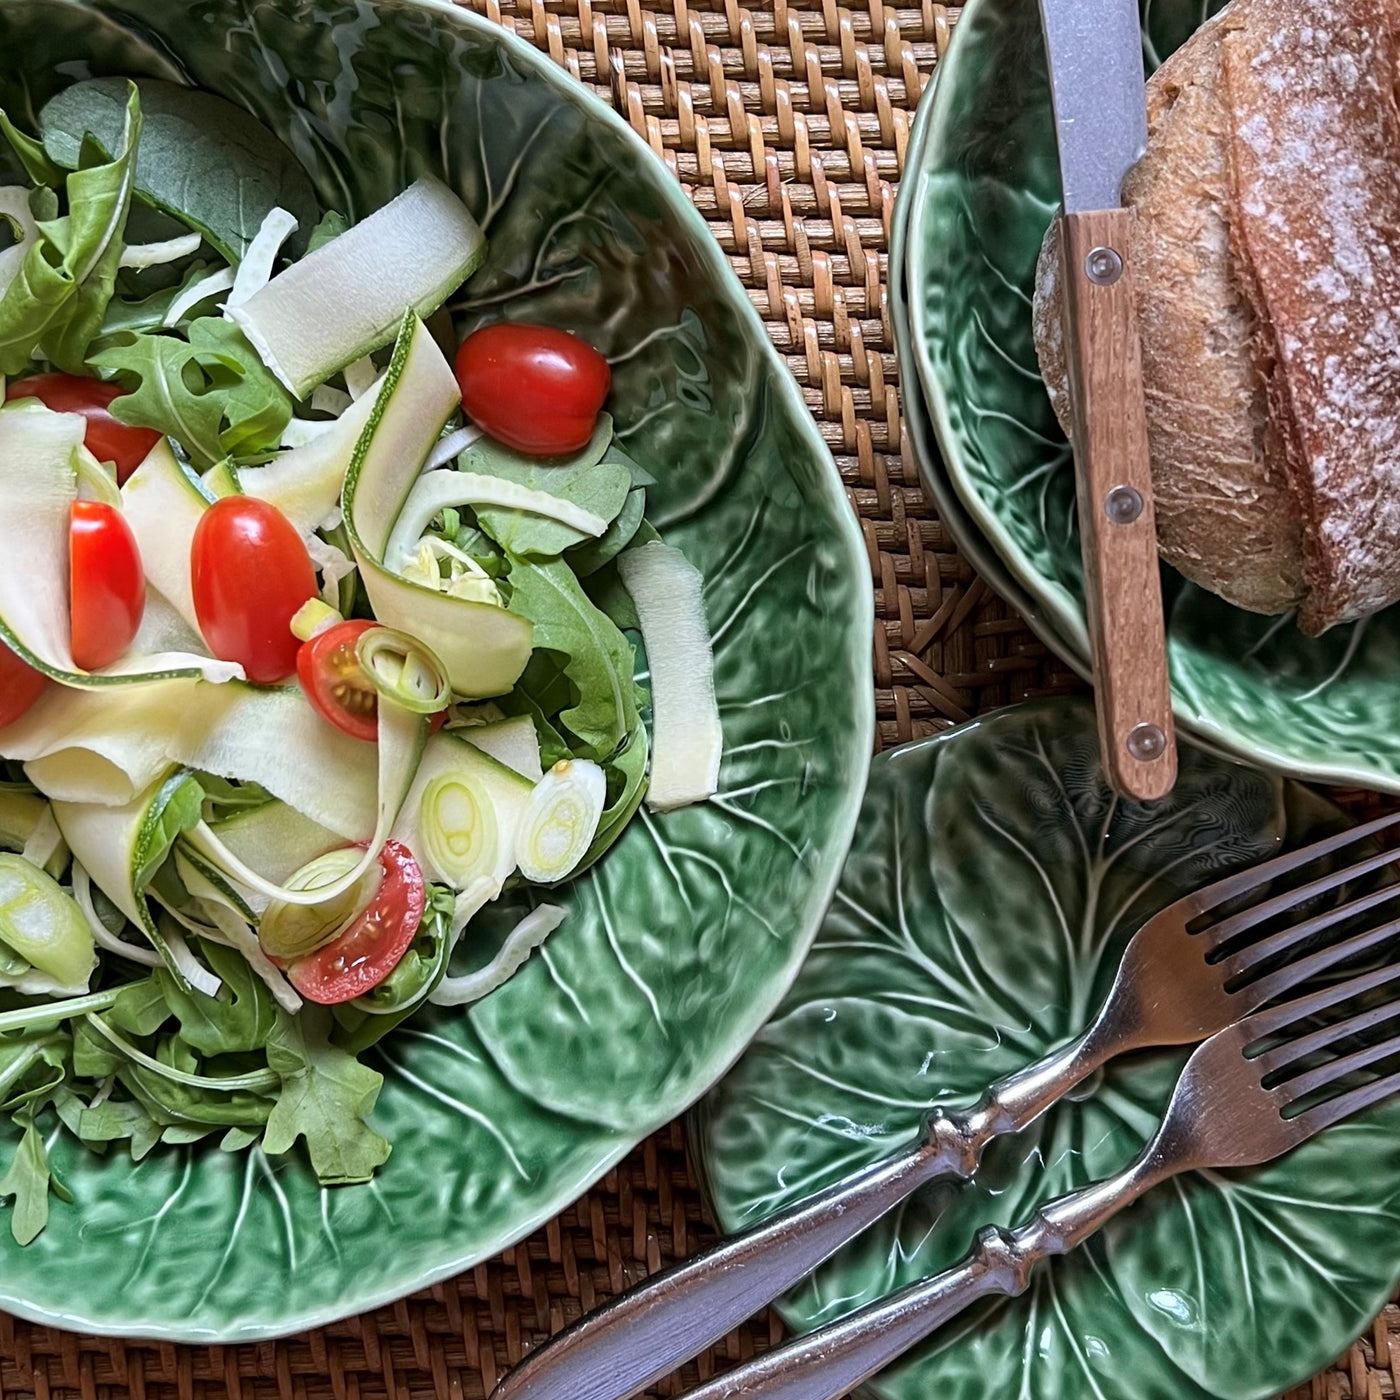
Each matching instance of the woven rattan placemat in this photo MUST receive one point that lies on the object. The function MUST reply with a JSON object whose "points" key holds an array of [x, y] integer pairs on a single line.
{"points": [[787, 124]]}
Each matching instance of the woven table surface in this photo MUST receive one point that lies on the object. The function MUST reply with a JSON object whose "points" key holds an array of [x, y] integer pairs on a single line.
{"points": [[787, 125]]}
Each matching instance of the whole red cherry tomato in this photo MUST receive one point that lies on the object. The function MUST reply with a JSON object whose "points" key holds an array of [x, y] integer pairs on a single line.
{"points": [[534, 388], [250, 574], [106, 438], [374, 944], [20, 686], [335, 683], [107, 585]]}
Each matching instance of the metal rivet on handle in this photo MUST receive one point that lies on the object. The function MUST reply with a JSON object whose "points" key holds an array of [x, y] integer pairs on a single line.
{"points": [[1123, 505], [1147, 742], [1104, 266]]}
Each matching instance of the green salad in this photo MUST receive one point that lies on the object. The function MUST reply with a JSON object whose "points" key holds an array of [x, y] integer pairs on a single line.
{"points": [[322, 624]]}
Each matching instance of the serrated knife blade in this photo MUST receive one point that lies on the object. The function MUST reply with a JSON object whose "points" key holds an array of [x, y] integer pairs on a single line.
{"points": [[1098, 94]]}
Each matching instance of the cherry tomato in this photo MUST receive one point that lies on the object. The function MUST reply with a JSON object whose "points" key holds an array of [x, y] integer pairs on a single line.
{"points": [[20, 686], [251, 573], [107, 585], [335, 682], [371, 948], [106, 438], [534, 388]]}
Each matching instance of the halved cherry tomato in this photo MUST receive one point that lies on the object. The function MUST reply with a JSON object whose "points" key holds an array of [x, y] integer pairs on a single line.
{"points": [[372, 947], [250, 573], [534, 388], [335, 682], [106, 584], [106, 438], [20, 686]]}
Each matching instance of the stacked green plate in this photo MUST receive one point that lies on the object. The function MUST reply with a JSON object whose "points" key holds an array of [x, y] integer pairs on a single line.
{"points": [[981, 186]]}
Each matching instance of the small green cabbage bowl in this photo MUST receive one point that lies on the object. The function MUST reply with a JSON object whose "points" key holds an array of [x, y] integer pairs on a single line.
{"points": [[982, 186], [679, 945]]}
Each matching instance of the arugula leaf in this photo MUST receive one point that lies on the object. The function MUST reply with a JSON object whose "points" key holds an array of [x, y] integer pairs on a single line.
{"points": [[598, 659], [593, 479], [210, 391], [31, 155], [211, 164], [93, 1057], [326, 1096], [58, 299], [212, 1024], [140, 1009], [119, 1120], [169, 1103], [28, 1180], [32, 1066]]}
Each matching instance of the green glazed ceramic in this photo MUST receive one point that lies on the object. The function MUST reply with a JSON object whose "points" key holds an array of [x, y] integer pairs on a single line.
{"points": [[979, 197], [678, 947], [992, 885], [933, 474]]}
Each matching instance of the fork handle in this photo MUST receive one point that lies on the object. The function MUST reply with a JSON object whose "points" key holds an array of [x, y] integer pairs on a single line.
{"points": [[634, 1340], [832, 1361]]}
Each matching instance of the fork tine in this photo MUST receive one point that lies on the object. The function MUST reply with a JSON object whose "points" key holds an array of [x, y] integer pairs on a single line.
{"points": [[1292, 1050], [1263, 1024], [1242, 881], [1294, 974], [1235, 924], [1251, 956], [1324, 1115], [1325, 1074]]}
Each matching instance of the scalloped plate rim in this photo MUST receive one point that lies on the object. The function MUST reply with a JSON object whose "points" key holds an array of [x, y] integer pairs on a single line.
{"points": [[1056, 618], [824, 879], [919, 420]]}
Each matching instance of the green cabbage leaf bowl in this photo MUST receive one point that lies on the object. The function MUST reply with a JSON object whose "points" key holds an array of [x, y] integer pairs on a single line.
{"points": [[678, 946]]}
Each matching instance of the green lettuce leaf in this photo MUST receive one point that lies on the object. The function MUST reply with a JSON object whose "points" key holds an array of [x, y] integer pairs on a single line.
{"points": [[588, 558], [205, 161], [31, 155], [327, 1095], [57, 301], [593, 480], [209, 391], [176, 808], [597, 658]]}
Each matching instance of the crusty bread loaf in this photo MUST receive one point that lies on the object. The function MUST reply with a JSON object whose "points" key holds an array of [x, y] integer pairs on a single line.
{"points": [[1266, 253]]}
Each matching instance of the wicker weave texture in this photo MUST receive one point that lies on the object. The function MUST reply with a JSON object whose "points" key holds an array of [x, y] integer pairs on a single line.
{"points": [[787, 125]]}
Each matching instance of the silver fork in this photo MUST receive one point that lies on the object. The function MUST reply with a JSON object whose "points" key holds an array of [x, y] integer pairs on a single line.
{"points": [[1174, 987], [1228, 1110]]}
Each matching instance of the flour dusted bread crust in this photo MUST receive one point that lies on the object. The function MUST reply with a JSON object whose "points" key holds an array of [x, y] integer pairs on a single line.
{"points": [[1266, 253]]}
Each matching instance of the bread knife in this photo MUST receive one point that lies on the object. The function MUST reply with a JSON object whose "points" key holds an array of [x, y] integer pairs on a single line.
{"points": [[1098, 95]]}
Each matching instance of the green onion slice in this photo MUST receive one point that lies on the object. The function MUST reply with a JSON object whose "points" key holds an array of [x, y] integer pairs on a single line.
{"points": [[459, 827], [561, 821], [404, 671]]}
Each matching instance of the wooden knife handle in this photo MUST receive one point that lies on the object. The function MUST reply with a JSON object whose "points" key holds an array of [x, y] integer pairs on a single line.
{"points": [[1116, 524]]}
